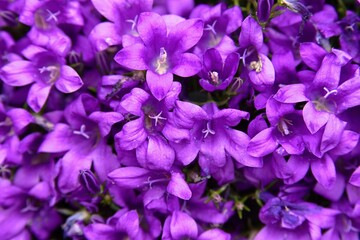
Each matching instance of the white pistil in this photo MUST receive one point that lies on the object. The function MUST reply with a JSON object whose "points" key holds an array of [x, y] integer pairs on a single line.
{"points": [[208, 130], [161, 63], [82, 132], [157, 118], [328, 93], [214, 77], [52, 16], [211, 27], [133, 22]]}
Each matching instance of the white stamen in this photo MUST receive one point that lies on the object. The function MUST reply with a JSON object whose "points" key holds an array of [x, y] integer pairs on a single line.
{"points": [[161, 63], [208, 130], [328, 93], [133, 22], [214, 77], [211, 27], [82, 132], [52, 16], [157, 118]]}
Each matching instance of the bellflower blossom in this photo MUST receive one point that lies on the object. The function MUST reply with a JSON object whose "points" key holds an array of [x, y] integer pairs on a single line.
{"points": [[43, 70], [163, 51]]}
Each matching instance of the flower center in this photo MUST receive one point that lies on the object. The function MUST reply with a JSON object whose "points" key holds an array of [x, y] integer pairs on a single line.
{"points": [[283, 126], [208, 130], [53, 71], [256, 65], [328, 93], [5, 172], [82, 132], [214, 78], [133, 22], [157, 118], [161, 65], [211, 27], [151, 182], [45, 17]]}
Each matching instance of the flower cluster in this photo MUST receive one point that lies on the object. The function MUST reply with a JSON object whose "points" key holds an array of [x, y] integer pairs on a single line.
{"points": [[175, 119]]}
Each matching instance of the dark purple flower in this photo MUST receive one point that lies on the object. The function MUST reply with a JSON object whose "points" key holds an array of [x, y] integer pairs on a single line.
{"points": [[216, 73]]}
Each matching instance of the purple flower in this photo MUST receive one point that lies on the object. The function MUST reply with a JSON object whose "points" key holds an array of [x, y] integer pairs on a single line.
{"points": [[219, 23], [325, 95], [44, 70], [264, 9], [162, 51], [212, 137], [146, 134], [46, 17], [257, 66], [84, 141], [124, 19], [216, 73], [135, 177]]}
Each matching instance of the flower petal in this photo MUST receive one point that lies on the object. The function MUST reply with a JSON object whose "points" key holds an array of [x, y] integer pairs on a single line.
{"points": [[159, 85], [182, 226], [104, 35], [69, 80], [178, 187], [37, 96], [152, 30], [18, 73], [132, 135], [187, 65], [324, 171], [292, 93], [263, 143], [159, 154], [133, 57], [313, 118], [185, 35]]}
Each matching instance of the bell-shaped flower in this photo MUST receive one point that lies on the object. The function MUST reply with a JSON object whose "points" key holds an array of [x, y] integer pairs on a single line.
{"points": [[216, 73], [43, 70], [163, 51]]}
